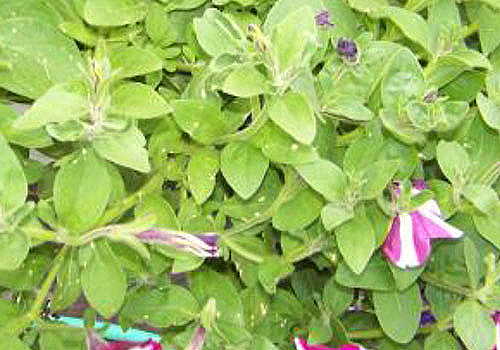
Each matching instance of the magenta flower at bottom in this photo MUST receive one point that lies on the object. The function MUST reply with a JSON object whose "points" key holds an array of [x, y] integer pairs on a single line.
{"points": [[95, 342], [301, 344], [408, 243], [496, 318]]}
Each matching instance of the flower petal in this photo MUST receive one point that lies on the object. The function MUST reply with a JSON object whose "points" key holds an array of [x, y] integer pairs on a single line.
{"points": [[300, 344], [409, 256], [392, 244], [437, 227], [421, 240]]}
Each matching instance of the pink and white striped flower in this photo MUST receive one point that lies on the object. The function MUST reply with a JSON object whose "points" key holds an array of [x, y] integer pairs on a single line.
{"points": [[95, 342], [301, 344], [496, 318], [408, 243]]}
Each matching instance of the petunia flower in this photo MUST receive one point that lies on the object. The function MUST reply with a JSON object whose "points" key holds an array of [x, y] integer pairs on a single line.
{"points": [[323, 19], [408, 242], [95, 342], [203, 245], [496, 318], [301, 344], [426, 318]]}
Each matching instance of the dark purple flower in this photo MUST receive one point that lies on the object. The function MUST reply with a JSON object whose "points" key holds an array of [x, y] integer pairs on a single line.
{"points": [[323, 19], [348, 49], [426, 318], [95, 342], [203, 245]]}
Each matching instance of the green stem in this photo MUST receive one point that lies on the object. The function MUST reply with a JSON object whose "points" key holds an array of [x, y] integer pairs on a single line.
{"points": [[117, 210], [443, 284], [18, 325]]}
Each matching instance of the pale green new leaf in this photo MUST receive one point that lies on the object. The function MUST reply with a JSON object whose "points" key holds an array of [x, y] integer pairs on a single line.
{"points": [[131, 61], [245, 81], [13, 185], [124, 148], [114, 12], [138, 101], [490, 110], [293, 114]]}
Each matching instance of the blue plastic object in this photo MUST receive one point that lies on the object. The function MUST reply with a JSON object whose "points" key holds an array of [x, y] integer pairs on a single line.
{"points": [[113, 331]]}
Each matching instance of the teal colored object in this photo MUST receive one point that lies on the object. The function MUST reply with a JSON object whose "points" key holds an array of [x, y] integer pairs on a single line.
{"points": [[113, 331]]}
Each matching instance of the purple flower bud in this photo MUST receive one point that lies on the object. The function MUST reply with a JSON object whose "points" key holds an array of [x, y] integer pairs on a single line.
{"points": [[431, 96], [496, 318], [323, 19], [203, 245], [426, 318], [348, 49]]}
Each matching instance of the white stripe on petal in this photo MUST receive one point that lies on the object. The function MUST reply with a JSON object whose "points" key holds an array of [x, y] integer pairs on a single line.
{"points": [[430, 206], [452, 231], [298, 344], [408, 256]]}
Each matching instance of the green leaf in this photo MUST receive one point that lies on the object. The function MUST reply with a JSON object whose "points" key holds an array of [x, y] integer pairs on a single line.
{"points": [[336, 213], [14, 247], [489, 28], [377, 275], [441, 340], [139, 101], [13, 185], [201, 119], [356, 241], [245, 81], [490, 110], [272, 270], [453, 161], [68, 286], [33, 138], [399, 312], [161, 209], [131, 61], [474, 326], [298, 212], [400, 126], [377, 177], [12, 342], [113, 12], [104, 282], [175, 306], [292, 113], [349, 108], [281, 148], [337, 297], [208, 284], [472, 262], [483, 197], [82, 188], [201, 171], [158, 26], [413, 26], [218, 34], [39, 56], [124, 148], [291, 37], [325, 177], [77, 30], [60, 103], [489, 226], [243, 167], [21, 278]]}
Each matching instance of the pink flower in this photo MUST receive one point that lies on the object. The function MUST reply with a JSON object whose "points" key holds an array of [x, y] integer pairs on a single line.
{"points": [[496, 318], [301, 344], [408, 242], [95, 342]]}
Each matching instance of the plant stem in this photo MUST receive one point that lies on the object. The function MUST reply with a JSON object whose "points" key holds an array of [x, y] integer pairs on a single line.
{"points": [[18, 325], [154, 183]]}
